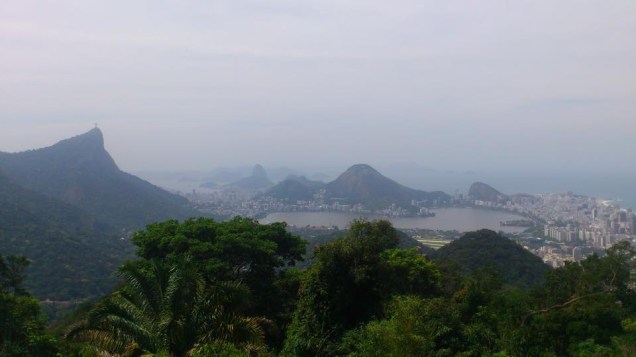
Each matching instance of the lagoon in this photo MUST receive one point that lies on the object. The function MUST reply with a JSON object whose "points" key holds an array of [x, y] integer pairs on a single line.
{"points": [[460, 219]]}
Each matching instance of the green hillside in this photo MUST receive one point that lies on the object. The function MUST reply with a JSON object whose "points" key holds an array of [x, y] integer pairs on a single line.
{"points": [[72, 254], [483, 248]]}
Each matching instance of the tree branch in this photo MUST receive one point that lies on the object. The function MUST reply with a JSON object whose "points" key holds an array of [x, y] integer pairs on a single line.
{"points": [[567, 303]]}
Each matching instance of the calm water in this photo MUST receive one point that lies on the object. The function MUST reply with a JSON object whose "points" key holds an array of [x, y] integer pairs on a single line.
{"points": [[461, 219]]}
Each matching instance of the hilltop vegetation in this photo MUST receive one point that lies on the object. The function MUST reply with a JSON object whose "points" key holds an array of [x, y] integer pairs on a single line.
{"points": [[483, 248], [196, 291], [57, 238]]}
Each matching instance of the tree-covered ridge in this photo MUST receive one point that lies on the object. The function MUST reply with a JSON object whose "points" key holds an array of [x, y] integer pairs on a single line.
{"points": [[57, 238], [483, 248], [79, 171]]}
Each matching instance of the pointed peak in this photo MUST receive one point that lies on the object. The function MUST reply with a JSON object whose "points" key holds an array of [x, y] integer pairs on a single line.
{"points": [[93, 139]]}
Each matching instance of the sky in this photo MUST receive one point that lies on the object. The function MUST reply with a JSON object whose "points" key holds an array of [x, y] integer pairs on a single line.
{"points": [[463, 85]]}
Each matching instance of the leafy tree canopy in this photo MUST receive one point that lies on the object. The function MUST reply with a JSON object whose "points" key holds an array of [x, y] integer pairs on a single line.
{"points": [[21, 322], [350, 282]]}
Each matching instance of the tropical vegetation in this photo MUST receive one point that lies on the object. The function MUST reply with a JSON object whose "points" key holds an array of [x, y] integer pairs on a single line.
{"points": [[206, 288]]}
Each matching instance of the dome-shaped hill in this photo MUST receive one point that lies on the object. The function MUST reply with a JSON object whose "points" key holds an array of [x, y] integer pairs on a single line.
{"points": [[363, 184], [484, 192], [482, 248]]}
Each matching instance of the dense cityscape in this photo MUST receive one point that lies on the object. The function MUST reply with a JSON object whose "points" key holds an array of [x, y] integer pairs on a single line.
{"points": [[573, 225], [561, 227]]}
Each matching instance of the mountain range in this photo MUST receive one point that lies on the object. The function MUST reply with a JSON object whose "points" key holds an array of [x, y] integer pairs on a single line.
{"points": [[359, 184]]}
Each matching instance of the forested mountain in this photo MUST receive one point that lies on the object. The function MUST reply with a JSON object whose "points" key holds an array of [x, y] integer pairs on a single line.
{"points": [[80, 172], [69, 209], [484, 248], [363, 184], [72, 253]]}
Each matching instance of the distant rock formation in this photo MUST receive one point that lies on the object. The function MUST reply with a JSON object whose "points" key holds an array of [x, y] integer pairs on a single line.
{"points": [[257, 181], [295, 188], [363, 184], [360, 184], [483, 192]]}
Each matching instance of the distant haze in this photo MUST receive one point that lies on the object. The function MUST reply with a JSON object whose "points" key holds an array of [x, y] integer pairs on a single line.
{"points": [[525, 86]]}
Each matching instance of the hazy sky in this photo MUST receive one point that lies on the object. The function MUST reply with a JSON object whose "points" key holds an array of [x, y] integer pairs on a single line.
{"points": [[466, 85]]}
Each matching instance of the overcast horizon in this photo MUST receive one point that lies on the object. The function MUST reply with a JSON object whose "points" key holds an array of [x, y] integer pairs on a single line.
{"points": [[465, 86]]}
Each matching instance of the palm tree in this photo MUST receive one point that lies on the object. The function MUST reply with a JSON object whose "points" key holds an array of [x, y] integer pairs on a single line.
{"points": [[167, 308]]}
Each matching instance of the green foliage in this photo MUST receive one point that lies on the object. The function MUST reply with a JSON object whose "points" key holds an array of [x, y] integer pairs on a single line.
{"points": [[350, 282], [237, 250], [407, 272], [21, 323], [220, 348], [415, 327], [199, 286], [168, 308], [57, 238], [581, 304]]}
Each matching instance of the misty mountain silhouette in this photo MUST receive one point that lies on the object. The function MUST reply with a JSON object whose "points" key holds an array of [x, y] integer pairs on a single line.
{"points": [[361, 184], [257, 181], [295, 188], [80, 172], [484, 192]]}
